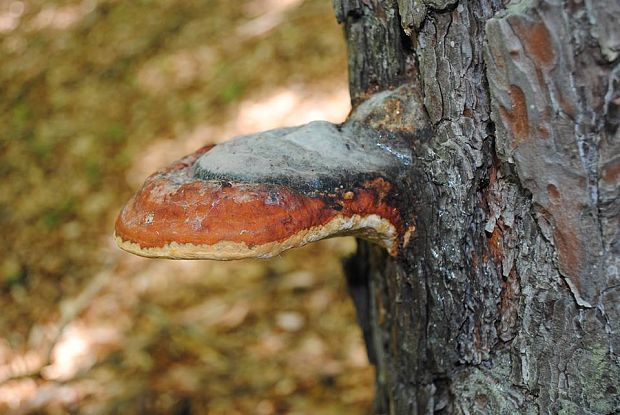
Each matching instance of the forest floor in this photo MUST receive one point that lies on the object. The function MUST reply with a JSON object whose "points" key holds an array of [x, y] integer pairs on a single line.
{"points": [[94, 96]]}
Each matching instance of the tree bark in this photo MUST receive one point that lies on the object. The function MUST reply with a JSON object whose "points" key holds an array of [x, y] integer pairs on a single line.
{"points": [[507, 298]]}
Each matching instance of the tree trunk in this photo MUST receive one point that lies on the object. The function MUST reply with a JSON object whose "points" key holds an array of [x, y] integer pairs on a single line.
{"points": [[507, 298]]}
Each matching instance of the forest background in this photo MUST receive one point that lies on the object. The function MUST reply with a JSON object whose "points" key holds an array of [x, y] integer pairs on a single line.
{"points": [[94, 96]]}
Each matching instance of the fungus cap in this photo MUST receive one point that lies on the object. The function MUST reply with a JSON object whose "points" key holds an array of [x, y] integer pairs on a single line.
{"points": [[258, 195]]}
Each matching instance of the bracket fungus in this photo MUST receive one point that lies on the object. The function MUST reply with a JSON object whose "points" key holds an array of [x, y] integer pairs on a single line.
{"points": [[261, 194]]}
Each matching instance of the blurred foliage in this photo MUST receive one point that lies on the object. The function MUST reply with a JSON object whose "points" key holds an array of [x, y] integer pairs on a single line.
{"points": [[84, 86]]}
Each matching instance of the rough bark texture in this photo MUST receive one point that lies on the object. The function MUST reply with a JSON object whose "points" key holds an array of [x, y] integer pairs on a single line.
{"points": [[507, 299]]}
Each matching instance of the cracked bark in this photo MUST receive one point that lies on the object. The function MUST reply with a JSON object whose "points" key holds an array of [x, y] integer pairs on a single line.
{"points": [[507, 299]]}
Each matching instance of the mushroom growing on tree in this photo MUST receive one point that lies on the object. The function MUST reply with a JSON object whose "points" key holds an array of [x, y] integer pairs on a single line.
{"points": [[514, 182], [261, 194]]}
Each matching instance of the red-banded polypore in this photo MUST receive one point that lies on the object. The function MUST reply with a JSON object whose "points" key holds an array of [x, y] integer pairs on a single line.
{"points": [[259, 195]]}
